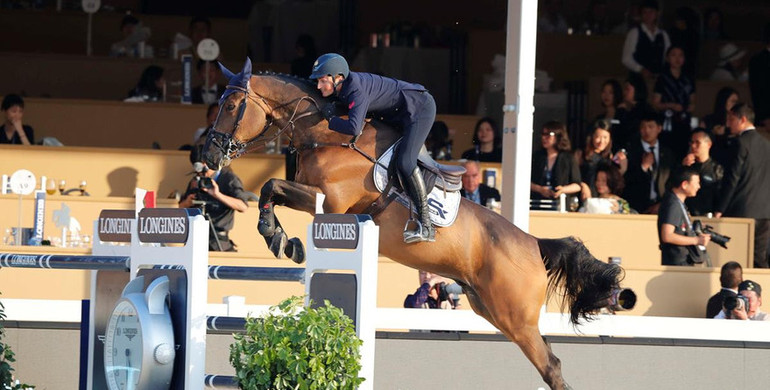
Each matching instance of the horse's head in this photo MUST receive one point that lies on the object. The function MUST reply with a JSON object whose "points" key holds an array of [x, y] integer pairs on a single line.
{"points": [[242, 118]]}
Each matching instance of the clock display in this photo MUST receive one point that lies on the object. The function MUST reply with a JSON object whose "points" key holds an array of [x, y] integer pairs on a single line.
{"points": [[123, 347]]}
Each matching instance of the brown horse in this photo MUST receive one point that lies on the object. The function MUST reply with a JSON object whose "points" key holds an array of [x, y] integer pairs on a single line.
{"points": [[504, 272]]}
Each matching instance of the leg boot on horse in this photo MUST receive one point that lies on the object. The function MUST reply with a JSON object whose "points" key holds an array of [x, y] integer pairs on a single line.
{"points": [[422, 226]]}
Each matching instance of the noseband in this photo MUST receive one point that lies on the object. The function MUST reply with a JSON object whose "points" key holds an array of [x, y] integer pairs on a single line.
{"points": [[232, 148]]}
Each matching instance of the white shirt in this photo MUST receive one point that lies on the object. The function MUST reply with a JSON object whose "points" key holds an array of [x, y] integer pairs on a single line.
{"points": [[656, 152], [630, 46]]}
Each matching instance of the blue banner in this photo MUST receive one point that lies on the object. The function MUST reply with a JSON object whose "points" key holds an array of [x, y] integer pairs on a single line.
{"points": [[187, 79], [37, 230]]}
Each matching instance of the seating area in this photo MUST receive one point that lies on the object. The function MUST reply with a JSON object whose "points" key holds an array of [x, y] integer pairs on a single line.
{"points": [[77, 99]]}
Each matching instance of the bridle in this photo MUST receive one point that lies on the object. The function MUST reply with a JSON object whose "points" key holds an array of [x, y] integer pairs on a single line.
{"points": [[231, 148]]}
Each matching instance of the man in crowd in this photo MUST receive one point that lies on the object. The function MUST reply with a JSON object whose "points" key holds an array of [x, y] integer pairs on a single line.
{"points": [[710, 172], [649, 166], [746, 185], [473, 189], [646, 45], [223, 194], [678, 242], [729, 278], [753, 291]]}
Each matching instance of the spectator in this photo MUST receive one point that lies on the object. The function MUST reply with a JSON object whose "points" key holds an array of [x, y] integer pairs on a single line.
{"points": [[597, 22], [134, 39], [678, 242], [759, 81], [554, 171], [487, 142], [747, 180], [710, 172], [646, 44], [302, 65], [649, 167], [611, 97], [753, 291], [631, 111], [674, 97], [151, 86], [208, 93], [730, 66], [198, 30], [435, 292], [211, 117], [14, 131], [223, 194], [598, 150], [713, 28], [729, 278], [686, 35], [552, 20], [473, 189], [609, 184], [438, 143], [715, 123]]}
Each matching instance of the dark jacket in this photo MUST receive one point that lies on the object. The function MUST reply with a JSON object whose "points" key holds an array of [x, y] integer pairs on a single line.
{"points": [[637, 191], [746, 185], [485, 192], [389, 99], [565, 170]]}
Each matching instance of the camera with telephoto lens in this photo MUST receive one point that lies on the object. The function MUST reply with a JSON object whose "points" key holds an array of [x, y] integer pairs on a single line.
{"points": [[716, 238], [739, 302], [204, 182], [621, 299]]}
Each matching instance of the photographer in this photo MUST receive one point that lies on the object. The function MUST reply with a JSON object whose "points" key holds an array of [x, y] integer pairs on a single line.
{"points": [[678, 242], [746, 305], [219, 194], [435, 292]]}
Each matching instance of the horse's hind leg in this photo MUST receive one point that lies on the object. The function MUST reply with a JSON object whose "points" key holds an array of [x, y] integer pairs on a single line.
{"points": [[283, 193]]}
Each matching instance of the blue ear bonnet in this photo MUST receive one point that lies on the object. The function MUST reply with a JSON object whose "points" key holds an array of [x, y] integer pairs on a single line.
{"points": [[239, 80]]}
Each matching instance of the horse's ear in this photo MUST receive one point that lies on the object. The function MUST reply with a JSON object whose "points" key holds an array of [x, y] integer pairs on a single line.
{"points": [[226, 72], [247, 67]]}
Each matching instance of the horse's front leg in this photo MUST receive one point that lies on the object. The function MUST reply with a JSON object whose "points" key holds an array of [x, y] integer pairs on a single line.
{"points": [[284, 193]]}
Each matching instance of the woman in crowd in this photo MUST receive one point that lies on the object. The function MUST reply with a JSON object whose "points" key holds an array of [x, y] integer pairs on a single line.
{"points": [[608, 183], [674, 98], [611, 98], [487, 142], [631, 111], [14, 131], [151, 86], [554, 171], [598, 150]]}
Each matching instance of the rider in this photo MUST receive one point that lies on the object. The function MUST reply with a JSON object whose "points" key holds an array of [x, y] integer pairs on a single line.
{"points": [[393, 100]]}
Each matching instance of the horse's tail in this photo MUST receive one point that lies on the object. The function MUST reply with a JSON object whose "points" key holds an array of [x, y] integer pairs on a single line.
{"points": [[588, 282]]}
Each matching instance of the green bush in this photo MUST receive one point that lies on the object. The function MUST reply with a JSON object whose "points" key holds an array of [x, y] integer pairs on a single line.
{"points": [[296, 348], [6, 358]]}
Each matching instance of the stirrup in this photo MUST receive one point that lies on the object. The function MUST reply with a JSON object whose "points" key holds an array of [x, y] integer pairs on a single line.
{"points": [[420, 234]]}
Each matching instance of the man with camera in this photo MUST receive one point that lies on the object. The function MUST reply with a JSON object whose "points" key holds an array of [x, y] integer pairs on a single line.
{"points": [[219, 194], [744, 306], [679, 243]]}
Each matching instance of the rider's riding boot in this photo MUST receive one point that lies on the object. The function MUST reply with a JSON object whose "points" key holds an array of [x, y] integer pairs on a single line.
{"points": [[423, 228]]}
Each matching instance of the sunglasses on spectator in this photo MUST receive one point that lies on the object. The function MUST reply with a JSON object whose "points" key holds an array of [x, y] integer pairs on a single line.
{"points": [[549, 134]]}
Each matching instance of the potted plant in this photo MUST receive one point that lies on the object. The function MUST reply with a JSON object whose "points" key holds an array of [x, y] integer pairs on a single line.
{"points": [[6, 358], [292, 347]]}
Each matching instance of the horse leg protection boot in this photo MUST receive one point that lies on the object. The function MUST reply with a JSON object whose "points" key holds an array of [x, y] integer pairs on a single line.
{"points": [[423, 228]]}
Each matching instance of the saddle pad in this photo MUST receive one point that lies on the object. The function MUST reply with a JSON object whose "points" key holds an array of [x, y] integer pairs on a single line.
{"points": [[443, 205]]}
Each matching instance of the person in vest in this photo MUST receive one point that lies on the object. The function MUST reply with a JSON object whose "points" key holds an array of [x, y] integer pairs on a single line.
{"points": [[395, 101], [646, 45]]}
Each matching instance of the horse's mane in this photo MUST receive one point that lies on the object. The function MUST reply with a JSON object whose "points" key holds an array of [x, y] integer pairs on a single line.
{"points": [[306, 85]]}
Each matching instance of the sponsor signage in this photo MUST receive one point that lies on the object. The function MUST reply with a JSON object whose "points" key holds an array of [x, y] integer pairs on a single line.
{"points": [[115, 225], [163, 225], [37, 230], [187, 79], [338, 231]]}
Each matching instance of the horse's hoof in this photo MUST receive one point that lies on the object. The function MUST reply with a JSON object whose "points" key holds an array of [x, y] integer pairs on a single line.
{"points": [[265, 228], [295, 251], [278, 244]]}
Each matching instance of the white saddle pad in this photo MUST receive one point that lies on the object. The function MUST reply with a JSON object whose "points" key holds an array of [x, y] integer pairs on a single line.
{"points": [[443, 205]]}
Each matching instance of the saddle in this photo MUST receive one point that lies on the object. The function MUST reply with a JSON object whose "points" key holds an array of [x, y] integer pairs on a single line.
{"points": [[444, 182]]}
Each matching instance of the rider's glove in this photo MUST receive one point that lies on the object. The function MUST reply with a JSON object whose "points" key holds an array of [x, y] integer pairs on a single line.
{"points": [[329, 111]]}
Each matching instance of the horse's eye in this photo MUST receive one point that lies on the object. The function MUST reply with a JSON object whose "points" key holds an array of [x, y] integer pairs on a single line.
{"points": [[230, 107]]}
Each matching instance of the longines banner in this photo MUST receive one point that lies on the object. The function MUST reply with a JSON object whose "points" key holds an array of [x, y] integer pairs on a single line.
{"points": [[163, 225], [115, 225], [339, 231]]}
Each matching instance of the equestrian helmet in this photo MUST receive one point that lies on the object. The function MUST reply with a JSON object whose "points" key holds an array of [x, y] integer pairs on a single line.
{"points": [[330, 64]]}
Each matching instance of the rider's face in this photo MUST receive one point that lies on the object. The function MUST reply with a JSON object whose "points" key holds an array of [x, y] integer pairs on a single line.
{"points": [[326, 86]]}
